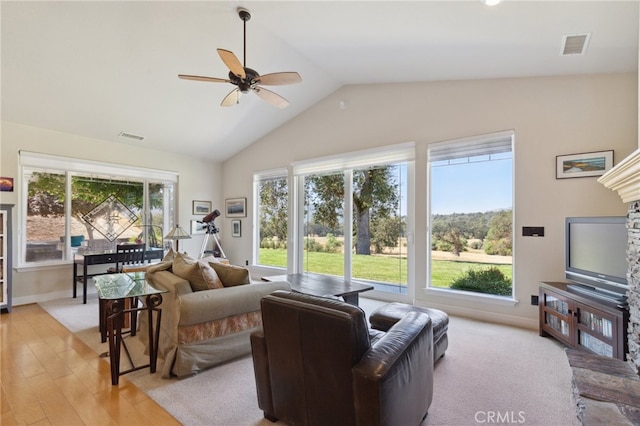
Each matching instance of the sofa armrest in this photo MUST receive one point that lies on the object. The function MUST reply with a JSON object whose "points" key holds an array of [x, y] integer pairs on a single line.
{"points": [[167, 280], [393, 382]]}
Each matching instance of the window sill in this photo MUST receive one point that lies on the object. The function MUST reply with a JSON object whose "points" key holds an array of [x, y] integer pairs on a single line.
{"points": [[43, 266], [470, 296]]}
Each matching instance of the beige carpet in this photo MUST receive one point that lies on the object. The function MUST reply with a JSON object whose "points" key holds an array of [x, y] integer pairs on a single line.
{"points": [[491, 374]]}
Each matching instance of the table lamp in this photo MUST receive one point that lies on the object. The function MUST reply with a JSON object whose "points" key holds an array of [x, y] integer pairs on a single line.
{"points": [[177, 233]]}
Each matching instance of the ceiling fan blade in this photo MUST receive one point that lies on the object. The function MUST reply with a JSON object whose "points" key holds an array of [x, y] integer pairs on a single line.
{"points": [[273, 98], [279, 78], [232, 62], [199, 78], [231, 99]]}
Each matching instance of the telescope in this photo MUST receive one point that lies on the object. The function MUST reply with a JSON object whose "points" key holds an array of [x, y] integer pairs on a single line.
{"points": [[211, 216], [210, 229]]}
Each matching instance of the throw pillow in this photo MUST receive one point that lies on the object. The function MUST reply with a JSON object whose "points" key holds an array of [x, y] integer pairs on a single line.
{"points": [[210, 259], [160, 266], [169, 256], [231, 275], [200, 275]]}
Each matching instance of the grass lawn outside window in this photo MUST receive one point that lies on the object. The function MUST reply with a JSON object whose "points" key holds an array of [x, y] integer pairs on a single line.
{"points": [[379, 268]]}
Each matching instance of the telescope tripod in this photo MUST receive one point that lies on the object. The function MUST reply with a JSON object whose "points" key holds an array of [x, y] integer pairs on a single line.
{"points": [[211, 230]]}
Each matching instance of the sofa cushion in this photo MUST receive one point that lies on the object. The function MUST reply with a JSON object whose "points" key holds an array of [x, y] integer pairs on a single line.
{"points": [[231, 275], [200, 275], [160, 266]]}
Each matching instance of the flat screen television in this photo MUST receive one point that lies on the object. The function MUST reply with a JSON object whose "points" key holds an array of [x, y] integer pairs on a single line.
{"points": [[596, 255]]}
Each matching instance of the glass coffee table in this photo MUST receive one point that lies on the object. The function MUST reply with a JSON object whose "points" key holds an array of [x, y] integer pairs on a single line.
{"points": [[118, 296]]}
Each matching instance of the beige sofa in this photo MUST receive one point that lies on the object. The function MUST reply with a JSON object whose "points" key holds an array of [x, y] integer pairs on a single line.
{"points": [[202, 328]]}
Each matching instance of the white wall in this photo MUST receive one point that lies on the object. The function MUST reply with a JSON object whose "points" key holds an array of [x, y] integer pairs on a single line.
{"points": [[550, 116], [198, 180]]}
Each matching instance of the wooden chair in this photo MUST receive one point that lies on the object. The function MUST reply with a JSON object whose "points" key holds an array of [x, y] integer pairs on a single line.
{"points": [[129, 255], [129, 258]]}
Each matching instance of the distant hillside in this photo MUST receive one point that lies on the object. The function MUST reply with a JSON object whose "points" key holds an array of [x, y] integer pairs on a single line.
{"points": [[470, 225]]}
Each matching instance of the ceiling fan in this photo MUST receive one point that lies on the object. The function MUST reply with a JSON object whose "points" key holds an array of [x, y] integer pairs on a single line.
{"points": [[248, 79]]}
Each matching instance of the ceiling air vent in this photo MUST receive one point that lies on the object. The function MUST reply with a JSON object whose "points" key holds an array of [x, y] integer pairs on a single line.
{"points": [[575, 44], [130, 136]]}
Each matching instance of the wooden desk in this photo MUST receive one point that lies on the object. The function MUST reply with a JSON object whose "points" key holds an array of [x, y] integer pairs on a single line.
{"points": [[87, 258], [323, 285]]}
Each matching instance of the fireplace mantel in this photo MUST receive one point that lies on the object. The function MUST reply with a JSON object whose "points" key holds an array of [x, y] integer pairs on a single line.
{"points": [[624, 178]]}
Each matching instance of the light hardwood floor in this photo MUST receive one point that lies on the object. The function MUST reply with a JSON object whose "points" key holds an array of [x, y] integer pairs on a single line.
{"points": [[50, 377]]}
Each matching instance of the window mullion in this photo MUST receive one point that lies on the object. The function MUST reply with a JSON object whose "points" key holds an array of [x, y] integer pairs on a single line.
{"points": [[67, 215], [295, 256], [348, 223]]}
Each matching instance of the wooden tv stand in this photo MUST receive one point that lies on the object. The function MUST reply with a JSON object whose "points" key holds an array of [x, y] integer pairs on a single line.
{"points": [[582, 321]]}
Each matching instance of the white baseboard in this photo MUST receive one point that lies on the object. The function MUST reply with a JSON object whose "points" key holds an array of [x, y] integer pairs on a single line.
{"points": [[17, 301], [516, 321]]}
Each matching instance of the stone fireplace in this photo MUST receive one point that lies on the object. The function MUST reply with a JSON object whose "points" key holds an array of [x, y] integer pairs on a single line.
{"points": [[624, 178], [607, 390]]}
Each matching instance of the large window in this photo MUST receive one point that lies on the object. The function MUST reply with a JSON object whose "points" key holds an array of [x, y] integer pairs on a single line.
{"points": [[471, 215], [324, 223], [272, 198], [354, 210], [343, 216], [70, 204]]}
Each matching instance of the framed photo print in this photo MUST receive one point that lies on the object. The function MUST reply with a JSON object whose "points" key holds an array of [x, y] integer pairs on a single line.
{"points": [[236, 228], [236, 207], [196, 228], [6, 184], [201, 207], [583, 165]]}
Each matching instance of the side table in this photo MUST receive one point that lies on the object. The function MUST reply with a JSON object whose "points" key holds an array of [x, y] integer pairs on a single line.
{"points": [[113, 292]]}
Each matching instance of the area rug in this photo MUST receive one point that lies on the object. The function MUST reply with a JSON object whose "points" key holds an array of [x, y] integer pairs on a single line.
{"points": [[224, 395], [490, 374]]}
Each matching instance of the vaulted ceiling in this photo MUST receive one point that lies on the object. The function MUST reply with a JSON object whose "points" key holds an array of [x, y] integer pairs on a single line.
{"points": [[97, 69]]}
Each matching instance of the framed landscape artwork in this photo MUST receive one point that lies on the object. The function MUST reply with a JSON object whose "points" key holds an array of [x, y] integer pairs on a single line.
{"points": [[6, 184], [196, 228], [236, 207], [583, 165], [201, 207]]}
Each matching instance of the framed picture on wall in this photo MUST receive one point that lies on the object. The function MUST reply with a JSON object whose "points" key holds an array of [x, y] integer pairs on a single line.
{"points": [[201, 207], [196, 228], [236, 228], [236, 207], [583, 165], [6, 184]]}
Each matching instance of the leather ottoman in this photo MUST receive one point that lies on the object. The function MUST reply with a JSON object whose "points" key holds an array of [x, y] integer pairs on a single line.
{"points": [[386, 316]]}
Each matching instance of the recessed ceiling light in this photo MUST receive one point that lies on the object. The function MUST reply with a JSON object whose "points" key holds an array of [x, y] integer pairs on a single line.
{"points": [[491, 2]]}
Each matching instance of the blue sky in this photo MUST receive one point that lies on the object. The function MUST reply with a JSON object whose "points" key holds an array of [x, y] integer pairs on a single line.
{"points": [[472, 187]]}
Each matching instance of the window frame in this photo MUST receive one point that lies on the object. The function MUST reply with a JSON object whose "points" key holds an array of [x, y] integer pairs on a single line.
{"points": [[257, 179], [30, 162], [347, 163], [492, 143]]}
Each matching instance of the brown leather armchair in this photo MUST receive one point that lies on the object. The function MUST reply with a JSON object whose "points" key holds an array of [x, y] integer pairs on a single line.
{"points": [[316, 362]]}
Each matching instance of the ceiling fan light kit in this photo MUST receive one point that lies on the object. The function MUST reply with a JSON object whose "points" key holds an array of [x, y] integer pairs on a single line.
{"points": [[246, 79]]}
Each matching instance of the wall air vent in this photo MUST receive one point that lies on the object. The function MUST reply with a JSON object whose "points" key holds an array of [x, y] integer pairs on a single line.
{"points": [[575, 44], [130, 136]]}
